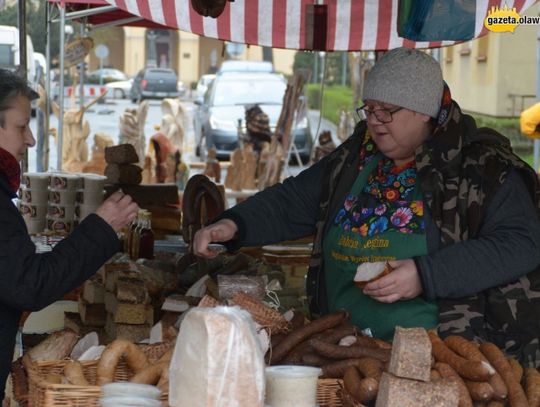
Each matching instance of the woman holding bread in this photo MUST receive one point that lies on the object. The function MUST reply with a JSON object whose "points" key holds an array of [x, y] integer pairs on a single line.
{"points": [[447, 205], [31, 281]]}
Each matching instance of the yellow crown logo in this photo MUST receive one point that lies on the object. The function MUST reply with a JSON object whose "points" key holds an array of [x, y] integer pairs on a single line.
{"points": [[502, 19]]}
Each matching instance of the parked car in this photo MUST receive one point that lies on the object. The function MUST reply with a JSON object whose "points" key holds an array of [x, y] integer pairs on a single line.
{"points": [[246, 66], [224, 104], [108, 74], [119, 89], [154, 83], [203, 83]]}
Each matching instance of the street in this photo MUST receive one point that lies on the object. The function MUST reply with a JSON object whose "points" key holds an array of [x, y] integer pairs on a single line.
{"points": [[104, 118]]}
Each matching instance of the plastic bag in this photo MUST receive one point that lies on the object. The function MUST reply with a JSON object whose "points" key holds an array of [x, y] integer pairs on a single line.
{"points": [[228, 286], [217, 361]]}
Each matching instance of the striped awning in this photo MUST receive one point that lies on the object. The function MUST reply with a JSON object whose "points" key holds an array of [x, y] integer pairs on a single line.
{"points": [[351, 25]]}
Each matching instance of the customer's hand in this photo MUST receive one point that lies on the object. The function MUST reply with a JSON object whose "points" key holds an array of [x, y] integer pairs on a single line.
{"points": [[403, 283], [118, 210], [221, 231]]}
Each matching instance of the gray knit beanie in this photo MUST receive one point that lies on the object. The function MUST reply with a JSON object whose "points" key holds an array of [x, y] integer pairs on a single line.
{"points": [[408, 78]]}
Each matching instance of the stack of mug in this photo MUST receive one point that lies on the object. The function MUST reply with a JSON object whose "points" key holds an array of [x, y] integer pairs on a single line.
{"points": [[61, 210], [90, 196], [33, 203]]}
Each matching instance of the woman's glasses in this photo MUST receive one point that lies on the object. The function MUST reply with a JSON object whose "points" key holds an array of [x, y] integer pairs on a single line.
{"points": [[382, 115]]}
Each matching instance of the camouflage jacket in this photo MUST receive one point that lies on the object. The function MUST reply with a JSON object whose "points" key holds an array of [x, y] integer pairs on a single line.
{"points": [[460, 169]]}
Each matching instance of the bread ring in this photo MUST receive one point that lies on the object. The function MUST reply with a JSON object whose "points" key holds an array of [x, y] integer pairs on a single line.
{"points": [[135, 359], [152, 374]]}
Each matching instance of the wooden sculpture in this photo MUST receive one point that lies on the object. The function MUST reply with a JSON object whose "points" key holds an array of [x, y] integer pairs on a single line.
{"points": [[75, 133], [173, 122], [132, 124], [97, 164], [212, 169]]}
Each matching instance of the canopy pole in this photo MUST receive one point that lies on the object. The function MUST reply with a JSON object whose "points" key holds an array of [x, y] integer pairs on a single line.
{"points": [[61, 92], [81, 72], [45, 145]]}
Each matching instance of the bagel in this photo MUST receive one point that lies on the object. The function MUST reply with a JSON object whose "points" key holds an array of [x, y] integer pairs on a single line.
{"points": [[120, 348]]}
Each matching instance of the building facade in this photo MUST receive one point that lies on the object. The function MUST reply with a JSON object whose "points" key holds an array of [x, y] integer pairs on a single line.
{"points": [[494, 75], [133, 48]]}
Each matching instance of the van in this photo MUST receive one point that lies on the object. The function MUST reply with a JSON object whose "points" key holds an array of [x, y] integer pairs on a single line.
{"points": [[10, 51]]}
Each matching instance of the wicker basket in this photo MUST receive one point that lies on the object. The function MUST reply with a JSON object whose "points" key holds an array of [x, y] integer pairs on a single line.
{"points": [[262, 314], [45, 394], [19, 383], [327, 392]]}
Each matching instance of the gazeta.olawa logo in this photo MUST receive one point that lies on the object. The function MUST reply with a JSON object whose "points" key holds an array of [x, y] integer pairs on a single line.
{"points": [[506, 19]]}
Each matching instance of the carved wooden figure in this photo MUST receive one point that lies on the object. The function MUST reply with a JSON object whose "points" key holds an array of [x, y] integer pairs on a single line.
{"points": [[75, 133], [132, 124]]}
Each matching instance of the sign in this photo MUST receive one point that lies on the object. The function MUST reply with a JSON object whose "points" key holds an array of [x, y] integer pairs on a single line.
{"points": [[101, 51], [76, 51]]}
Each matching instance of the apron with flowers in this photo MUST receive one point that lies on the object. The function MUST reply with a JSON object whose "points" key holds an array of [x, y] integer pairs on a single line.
{"points": [[380, 220]]}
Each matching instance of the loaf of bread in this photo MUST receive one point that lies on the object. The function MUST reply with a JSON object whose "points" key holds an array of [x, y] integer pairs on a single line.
{"points": [[121, 154], [123, 174], [394, 392], [217, 360], [411, 354]]}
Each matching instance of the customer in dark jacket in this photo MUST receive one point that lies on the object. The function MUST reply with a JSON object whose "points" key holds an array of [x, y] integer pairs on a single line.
{"points": [[30, 281], [449, 205]]}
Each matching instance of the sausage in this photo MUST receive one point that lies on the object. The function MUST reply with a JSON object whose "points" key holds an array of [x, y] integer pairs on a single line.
{"points": [[468, 369], [348, 352], [448, 372], [135, 359], [479, 391], [532, 383], [339, 333], [470, 351], [312, 359], [516, 395], [363, 390], [516, 368], [300, 335], [336, 370]]}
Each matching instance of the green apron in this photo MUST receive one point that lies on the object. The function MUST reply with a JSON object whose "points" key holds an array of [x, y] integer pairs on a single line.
{"points": [[345, 250]]}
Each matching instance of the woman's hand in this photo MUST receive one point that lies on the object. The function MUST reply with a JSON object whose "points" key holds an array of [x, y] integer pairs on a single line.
{"points": [[118, 210], [403, 283], [221, 231]]}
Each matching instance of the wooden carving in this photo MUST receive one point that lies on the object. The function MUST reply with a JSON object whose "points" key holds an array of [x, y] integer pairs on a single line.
{"points": [[75, 133], [132, 124], [233, 180], [97, 164], [212, 169], [173, 122], [249, 167]]}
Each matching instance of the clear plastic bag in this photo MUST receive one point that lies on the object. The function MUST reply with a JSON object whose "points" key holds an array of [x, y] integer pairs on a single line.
{"points": [[217, 361], [229, 285]]}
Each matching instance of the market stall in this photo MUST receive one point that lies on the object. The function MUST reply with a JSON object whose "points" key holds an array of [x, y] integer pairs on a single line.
{"points": [[159, 326]]}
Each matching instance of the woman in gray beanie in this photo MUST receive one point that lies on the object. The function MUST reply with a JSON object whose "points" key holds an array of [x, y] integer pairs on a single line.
{"points": [[448, 205]]}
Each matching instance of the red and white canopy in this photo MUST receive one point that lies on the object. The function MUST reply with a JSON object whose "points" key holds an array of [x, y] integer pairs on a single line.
{"points": [[352, 25]]}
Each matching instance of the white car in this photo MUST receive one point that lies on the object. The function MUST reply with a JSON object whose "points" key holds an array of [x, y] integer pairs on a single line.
{"points": [[119, 89], [203, 83]]}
